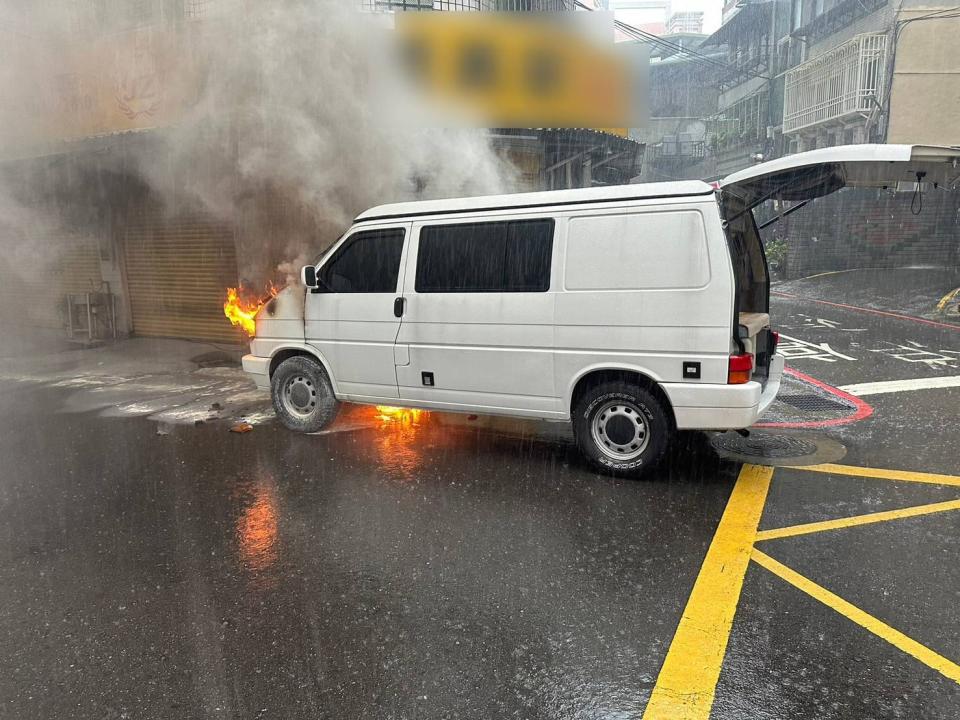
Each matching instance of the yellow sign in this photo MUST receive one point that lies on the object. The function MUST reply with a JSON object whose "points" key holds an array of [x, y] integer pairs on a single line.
{"points": [[503, 70]]}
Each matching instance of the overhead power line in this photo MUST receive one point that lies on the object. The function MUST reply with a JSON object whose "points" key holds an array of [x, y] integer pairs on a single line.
{"points": [[649, 38], [694, 56]]}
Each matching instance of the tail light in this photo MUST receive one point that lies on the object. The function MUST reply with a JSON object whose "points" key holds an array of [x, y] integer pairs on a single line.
{"points": [[775, 337], [739, 369]]}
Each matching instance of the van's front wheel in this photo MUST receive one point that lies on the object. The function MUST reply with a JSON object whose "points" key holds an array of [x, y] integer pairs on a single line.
{"points": [[621, 428], [302, 394]]}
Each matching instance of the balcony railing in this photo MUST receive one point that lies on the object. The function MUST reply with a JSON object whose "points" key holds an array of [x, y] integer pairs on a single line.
{"points": [[842, 82], [673, 147], [746, 63]]}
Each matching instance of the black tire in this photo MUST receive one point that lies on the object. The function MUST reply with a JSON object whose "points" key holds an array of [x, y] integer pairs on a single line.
{"points": [[631, 436], [302, 394]]}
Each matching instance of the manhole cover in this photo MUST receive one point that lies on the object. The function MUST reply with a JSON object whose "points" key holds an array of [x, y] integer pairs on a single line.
{"points": [[764, 445], [814, 403], [777, 449]]}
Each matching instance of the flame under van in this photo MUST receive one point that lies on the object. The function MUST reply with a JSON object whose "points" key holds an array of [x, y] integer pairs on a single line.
{"points": [[632, 311]]}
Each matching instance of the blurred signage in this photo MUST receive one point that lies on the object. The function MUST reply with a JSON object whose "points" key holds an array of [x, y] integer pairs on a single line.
{"points": [[117, 83], [519, 70]]}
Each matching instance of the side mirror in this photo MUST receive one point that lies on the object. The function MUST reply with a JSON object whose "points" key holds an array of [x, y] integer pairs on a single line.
{"points": [[308, 276]]}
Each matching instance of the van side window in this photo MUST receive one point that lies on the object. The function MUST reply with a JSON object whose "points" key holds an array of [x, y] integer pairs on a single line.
{"points": [[510, 256], [368, 262]]}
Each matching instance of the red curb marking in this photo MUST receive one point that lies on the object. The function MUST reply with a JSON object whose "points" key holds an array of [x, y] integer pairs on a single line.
{"points": [[869, 310], [863, 409]]}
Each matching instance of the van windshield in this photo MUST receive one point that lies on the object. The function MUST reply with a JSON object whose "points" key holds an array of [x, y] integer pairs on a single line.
{"points": [[749, 261]]}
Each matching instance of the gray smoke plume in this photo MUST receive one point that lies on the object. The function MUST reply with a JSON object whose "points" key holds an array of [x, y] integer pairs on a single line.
{"points": [[296, 123], [301, 124]]}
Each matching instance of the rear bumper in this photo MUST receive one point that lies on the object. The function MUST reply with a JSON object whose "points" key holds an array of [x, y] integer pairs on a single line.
{"points": [[258, 368], [702, 406]]}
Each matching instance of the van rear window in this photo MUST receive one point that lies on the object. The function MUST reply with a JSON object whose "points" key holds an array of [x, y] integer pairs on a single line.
{"points": [[509, 256]]}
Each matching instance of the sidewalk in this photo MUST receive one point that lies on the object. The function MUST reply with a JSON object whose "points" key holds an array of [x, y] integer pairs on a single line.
{"points": [[47, 352], [909, 291], [169, 381]]}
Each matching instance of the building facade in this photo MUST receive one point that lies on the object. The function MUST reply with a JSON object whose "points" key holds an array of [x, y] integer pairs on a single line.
{"points": [[807, 74], [685, 22], [468, 5], [682, 95], [741, 130], [872, 71]]}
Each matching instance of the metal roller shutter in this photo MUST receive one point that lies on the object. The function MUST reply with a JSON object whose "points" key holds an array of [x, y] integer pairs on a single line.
{"points": [[34, 286], [177, 273]]}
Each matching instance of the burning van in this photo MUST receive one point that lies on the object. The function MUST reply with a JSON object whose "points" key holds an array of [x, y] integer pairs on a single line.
{"points": [[632, 311]]}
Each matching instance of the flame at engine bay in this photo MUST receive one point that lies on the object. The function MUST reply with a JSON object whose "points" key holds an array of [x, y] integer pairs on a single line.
{"points": [[241, 308]]}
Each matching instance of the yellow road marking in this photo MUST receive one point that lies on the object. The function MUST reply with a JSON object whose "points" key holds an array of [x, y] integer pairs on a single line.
{"points": [[947, 298], [879, 628], [876, 517], [824, 274], [882, 474], [688, 677]]}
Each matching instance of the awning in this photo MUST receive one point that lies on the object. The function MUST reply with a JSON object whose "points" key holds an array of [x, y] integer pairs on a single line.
{"points": [[751, 14]]}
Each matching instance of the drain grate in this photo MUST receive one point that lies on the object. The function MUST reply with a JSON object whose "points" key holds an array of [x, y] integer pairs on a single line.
{"points": [[764, 445], [811, 402]]}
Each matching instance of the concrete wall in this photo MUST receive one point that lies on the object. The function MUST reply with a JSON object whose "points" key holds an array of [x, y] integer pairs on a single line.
{"points": [[925, 95], [738, 92]]}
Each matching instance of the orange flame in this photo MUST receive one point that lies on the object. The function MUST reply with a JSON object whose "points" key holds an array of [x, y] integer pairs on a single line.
{"points": [[386, 413], [242, 311]]}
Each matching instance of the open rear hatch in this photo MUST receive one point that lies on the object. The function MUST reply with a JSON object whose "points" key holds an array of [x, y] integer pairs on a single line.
{"points": [[816, 173], [801, 178]]}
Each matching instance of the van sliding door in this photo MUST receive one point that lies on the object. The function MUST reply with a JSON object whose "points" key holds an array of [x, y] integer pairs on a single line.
{"points": [[478, 326]]}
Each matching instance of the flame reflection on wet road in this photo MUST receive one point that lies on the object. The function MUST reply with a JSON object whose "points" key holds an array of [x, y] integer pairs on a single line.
{"points": [[398, 442], [256, 531]]}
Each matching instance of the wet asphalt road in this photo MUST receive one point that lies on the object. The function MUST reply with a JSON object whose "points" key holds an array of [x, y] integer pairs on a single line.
{"points": [[436, 570], [363, 574]]}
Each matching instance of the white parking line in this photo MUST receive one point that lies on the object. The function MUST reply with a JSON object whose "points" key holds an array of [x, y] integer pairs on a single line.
{"points": [[893, 386]]}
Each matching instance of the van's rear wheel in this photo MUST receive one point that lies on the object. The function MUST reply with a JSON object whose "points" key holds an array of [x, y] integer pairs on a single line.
{"points": [[621, 428], [302, 394]]}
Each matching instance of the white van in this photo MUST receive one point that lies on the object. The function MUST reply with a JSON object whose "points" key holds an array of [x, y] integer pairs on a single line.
{"points": [[633, 311]]}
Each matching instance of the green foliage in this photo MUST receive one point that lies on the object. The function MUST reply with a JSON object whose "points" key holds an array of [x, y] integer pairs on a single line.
{"points": [[776, 251]]}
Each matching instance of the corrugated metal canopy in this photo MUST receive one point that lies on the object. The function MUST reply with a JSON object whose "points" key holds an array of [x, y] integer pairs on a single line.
{"points": [[750, 14]]}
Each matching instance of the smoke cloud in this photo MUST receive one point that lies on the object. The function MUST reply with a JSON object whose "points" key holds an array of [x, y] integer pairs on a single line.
{"points": [[293, 122]]}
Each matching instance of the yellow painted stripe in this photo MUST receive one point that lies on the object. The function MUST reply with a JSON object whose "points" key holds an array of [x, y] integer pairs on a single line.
{"points": [[688, 677], [928, 657], [876, 517], [882, 474], [947, 298]]}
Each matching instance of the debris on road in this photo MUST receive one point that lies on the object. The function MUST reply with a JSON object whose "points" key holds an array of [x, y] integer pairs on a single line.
{"points": [[241, 427]]}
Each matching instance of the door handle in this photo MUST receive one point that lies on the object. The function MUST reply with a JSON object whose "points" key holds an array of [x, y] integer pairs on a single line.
{"points": [[398, 305]]}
